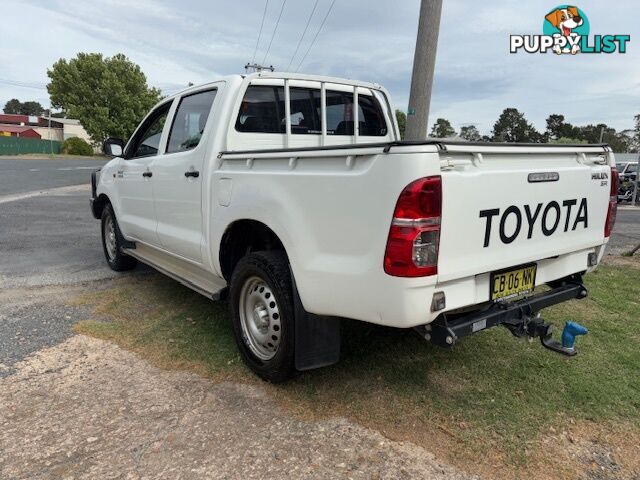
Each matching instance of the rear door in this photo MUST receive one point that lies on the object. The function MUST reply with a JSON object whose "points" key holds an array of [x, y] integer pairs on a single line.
{"points": [[137, 217], [512, 206], [178, 176]]}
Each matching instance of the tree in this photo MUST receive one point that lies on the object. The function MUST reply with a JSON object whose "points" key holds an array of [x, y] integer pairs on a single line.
{"points": [[32, 108], [12, 107], [401, 118], [568, 141], [591, 133], [16, 107], [635, 140], [442, 129], [109, 95], [470, 133], [512, 126], [558, 128]]}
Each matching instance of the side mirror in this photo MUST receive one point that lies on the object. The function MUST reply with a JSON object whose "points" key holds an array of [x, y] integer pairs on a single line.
{"points": [[113, 147]]}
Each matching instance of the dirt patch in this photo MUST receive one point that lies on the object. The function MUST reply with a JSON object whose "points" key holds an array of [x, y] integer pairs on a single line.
{"points": [[88, 409], [622, 261], [596, 452]]}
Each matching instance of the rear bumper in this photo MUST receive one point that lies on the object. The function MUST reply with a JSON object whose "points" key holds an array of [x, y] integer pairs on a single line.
{"points": [[446, 330]]}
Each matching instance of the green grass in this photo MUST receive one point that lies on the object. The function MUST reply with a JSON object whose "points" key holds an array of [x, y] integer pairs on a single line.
{"points": [[491, 389]]}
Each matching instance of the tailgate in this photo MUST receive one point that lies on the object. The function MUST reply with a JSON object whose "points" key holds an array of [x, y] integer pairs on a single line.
{"points": [[508, 206]]}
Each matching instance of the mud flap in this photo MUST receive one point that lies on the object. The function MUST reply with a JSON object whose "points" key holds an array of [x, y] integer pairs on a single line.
{"points": [[317, 341]]}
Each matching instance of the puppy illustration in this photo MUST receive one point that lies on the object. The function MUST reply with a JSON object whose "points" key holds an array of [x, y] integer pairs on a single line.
{"points": [[565, 20]]}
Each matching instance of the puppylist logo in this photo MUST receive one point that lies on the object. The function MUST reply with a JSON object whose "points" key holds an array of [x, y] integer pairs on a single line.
{"points": [[566, 29]]}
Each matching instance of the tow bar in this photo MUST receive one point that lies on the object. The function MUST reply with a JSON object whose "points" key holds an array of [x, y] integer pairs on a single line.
{"points": [[521, 317]]}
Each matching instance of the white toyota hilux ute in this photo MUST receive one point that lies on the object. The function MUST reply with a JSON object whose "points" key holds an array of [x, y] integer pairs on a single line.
{"points": [[293, 197]]}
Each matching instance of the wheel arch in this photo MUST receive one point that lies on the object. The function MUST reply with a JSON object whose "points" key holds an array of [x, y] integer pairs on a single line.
{"points": [[98, 204], [242, 237]]}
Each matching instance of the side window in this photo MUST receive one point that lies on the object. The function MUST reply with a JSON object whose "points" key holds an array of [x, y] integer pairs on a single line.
{"points": [[147, 140], [190, 121], [305, 117], [339, 113], [262, 110], [370, 117]]}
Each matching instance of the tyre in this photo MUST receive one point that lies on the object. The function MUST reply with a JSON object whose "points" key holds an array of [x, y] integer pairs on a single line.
{"points": [[111, 242], [261, 303]]}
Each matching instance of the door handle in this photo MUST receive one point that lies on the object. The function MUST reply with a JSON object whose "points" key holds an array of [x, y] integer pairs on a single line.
{"points": [[192, 173], [147, 174]]}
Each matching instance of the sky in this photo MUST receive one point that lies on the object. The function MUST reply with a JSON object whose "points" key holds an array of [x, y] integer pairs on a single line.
{"points": [[180, 41]]}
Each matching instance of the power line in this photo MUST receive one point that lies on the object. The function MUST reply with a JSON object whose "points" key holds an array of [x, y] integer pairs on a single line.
{"points": [[275, 29], [316, 36], [16, 83], [264, 14], [303, 34]]}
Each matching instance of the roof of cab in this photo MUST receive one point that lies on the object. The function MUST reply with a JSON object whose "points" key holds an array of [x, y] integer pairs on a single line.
{"points": [[278, 76]]}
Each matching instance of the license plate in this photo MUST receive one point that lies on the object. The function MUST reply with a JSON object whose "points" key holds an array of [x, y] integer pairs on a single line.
{"points": [[511, 283]]}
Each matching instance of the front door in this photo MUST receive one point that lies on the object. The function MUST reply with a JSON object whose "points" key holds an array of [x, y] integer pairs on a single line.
{"points": [[178, 177], [137, 217]]}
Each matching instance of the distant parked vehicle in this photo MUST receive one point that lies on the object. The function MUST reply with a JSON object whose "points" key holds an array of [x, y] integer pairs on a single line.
{"points": [[625, 192], [627, 170]]}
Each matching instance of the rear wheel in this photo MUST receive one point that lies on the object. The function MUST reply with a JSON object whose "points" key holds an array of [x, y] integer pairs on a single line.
{"points": [[111, 242], [262, 311]]}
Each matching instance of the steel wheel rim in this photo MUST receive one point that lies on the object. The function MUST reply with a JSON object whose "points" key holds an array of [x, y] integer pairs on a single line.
{"points": [[259, 318], [110, 238]]}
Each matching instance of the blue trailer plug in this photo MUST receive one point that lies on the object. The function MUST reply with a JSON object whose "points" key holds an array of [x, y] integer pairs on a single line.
{"points": [[570, 332]]}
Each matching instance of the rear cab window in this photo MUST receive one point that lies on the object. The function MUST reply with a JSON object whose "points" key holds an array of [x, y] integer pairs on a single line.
{"points": [[263, 110]]}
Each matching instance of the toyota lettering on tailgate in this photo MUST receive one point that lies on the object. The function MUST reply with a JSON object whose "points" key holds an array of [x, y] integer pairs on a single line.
{"points": [[568, 214]]}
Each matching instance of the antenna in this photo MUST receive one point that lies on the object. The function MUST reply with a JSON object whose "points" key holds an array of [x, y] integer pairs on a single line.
{"points": [[254, 67]]}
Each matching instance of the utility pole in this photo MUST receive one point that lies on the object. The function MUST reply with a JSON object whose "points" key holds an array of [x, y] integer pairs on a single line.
{"points": [[424, 62], [49, 132]]}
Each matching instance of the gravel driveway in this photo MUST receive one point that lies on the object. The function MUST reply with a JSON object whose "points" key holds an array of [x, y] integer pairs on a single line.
{"points": [[87, 409]]}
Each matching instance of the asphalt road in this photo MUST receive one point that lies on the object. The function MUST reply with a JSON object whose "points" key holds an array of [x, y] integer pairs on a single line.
{"points": [[21, 175], [49, 248], [626, 233]]}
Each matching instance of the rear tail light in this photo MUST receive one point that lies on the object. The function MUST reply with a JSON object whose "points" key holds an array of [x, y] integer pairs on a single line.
{"points": [[414, 236], [613, 202]]}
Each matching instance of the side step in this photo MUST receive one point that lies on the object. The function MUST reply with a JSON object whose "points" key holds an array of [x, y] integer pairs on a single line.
{"points": [[186, 273]]}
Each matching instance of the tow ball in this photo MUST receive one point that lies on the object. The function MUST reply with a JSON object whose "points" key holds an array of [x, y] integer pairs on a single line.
{"points": [[537, 327], [569, 333]]}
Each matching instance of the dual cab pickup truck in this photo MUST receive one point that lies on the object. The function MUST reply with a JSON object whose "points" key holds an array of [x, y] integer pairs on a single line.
{"points": [[294, 197]]}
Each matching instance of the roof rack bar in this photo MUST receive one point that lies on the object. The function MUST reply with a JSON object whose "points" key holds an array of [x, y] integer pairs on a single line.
{"points": [[355, 114], [287, 112], [323, 112]]}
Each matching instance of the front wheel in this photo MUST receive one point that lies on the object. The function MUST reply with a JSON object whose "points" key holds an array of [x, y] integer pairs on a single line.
{"points": [[111, 242], [261, 302]]}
